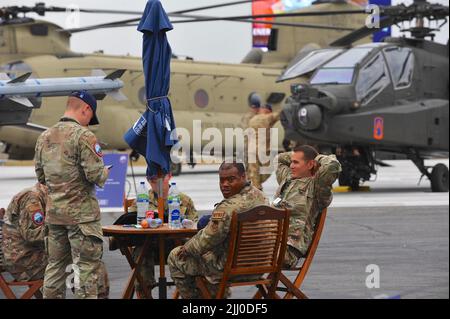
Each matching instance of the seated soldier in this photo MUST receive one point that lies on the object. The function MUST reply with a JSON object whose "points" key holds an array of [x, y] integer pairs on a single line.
{"points": [[23, 234], [147, 269], [305, 181], [205, 253]]}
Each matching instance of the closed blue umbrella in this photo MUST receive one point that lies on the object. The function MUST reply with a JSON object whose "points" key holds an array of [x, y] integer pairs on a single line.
{"points": [[151, 136]]}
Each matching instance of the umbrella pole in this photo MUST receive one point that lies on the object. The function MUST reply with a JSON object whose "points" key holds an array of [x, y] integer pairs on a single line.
{"points": [[160, 195]]}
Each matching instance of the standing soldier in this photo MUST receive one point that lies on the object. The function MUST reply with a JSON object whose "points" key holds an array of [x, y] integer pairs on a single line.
{"points": [[255, 104], [23, 234], [264, 120], [305, 180], [205, 253], [69, 161]]}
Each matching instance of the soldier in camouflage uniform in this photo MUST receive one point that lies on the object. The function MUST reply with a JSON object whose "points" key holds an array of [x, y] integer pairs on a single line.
{"points": [[255, 104], [68, 159], [23, 234], [305, 181], [264, 120], [188, 210], [254, 109], [205, 253]]}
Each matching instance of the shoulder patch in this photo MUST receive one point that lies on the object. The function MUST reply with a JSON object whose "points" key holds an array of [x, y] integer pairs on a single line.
{"points": [[97, 149], [38, 218], [217, 215]]}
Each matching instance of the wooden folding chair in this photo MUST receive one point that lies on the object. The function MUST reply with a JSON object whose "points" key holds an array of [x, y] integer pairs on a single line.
{"points": [[33, 288], [292, 289], [5, 286], [258, 240]]}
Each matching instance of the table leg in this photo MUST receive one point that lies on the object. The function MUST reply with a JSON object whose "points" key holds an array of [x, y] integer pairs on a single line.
{"points": [[134, 275], [162, 282]]}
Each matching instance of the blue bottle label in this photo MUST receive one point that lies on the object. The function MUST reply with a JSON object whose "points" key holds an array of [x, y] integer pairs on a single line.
{"points": [[175, 214]]}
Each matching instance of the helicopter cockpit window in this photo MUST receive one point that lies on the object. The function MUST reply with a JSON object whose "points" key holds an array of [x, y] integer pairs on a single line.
{"points": [[309, 63], [372, 79], [401, 64], [349, 59], [340, 70]]}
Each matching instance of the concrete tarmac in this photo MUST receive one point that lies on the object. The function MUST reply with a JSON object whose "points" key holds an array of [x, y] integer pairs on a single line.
{"points": [[399, 228]]}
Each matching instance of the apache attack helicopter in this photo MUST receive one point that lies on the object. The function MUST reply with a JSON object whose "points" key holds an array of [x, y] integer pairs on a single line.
{"points": [[391, 96], [215, 93]]}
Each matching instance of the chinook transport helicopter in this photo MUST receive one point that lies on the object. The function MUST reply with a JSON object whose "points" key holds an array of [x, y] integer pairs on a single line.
{"points": [[215, 93], [391, 96]]}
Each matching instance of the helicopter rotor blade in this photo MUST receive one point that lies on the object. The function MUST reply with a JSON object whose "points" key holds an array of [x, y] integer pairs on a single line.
{"points": [[420, 9], [40, 8], [126, 23], [115, 24], [282, 24], [215, 6], [277, 23], [221, 5], [277, 15]]}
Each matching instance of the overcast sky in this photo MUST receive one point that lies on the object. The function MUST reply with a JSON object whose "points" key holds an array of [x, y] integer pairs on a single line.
{"points": [[210, 41]]}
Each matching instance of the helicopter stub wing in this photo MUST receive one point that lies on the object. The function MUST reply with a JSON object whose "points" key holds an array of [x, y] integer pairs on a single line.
{"points": [[14, 115]]}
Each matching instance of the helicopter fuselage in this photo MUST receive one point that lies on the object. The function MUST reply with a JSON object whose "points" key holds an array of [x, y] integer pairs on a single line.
{"points": [[389, 96]]}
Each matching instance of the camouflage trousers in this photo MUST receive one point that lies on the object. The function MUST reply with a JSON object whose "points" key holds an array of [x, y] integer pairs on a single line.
{"points": [[25, 276], [147, 269], [291, 258], [28, 271], [183, 273], [75, 250], [254, 175]]}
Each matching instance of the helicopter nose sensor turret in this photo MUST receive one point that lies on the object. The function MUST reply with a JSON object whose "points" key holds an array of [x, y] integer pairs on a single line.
{"points": [[310, 106], [310, 117]]}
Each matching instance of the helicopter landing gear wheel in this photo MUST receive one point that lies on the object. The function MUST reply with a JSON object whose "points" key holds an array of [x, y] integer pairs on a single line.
{"points": [[439, 178], [357, 165]]}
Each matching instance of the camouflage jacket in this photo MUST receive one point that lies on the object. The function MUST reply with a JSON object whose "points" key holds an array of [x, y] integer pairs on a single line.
{"points": [[212, 241], [69, 161], [187, 205], [23, 232], [306, 197], [246, 119], [266, 121]]}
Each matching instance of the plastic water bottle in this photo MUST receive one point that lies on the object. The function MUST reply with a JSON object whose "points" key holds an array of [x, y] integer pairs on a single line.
{"points": [[142, 201], [174, 214], [175, 195]]}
